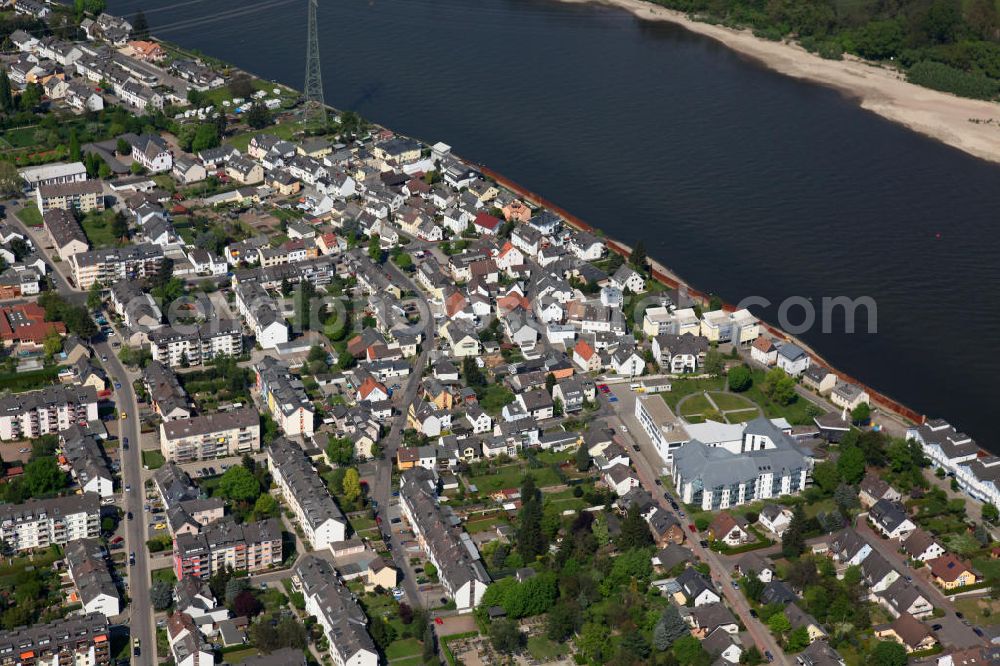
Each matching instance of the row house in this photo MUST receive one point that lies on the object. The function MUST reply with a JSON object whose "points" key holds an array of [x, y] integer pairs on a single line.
{"points": [[46, 411], [81, 640], [306, 494], [285, 397], [250, 547], [40, 523]]}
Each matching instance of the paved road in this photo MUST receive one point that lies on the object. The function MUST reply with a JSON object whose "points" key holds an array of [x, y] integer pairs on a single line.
{"points": [[382, 490], [141, 609], [648, 476], [141, 618]]}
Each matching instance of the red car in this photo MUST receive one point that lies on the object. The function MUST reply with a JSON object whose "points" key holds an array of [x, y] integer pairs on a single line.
{"points": [[438, 620], [692, 527]]}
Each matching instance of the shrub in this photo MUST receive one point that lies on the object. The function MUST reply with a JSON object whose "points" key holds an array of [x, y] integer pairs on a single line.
{"points": [[740, 379], [940, 76]]}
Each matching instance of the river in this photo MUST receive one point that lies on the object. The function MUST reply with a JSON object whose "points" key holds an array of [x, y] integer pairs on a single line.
{"points": [[741, 180]]}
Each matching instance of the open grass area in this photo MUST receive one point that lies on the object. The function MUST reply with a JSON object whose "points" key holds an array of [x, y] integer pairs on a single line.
{"points": [[153, 459], [543, 649], [17, 382], [239, 656], [97, 226], [30, 215], [979, 610], [486, 524], [742, 415], [511, 476], [728, 401], [683, 387], [283, 131], [404, 650], [165, 574], [695, 405]]}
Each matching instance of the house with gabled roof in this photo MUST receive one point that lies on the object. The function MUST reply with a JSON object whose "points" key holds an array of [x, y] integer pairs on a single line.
{"points": [[874, 488], [694, 587], [729, 530], [909, 632], [902, 596], [798, 618], [922, 546], [950, 571], [891, 520]]}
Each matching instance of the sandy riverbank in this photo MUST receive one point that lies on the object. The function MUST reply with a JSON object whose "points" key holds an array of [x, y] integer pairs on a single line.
{"points": [[938, 115]]}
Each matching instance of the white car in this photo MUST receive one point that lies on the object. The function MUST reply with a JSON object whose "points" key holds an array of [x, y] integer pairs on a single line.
{"points": [[128, 488]]}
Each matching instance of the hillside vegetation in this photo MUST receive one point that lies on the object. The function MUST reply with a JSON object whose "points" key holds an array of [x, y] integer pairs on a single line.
{"points": [[949, 45]]}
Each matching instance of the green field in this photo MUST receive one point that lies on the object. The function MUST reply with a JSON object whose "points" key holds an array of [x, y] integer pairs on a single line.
{"points": [[511, 476], [728, 401], [239, 656], [696, 404], [29, 381], [542, 649], [97, 226], [283, 131], [406, 649], [30, 215], [683, 387], [742, 415], [153, 459]]}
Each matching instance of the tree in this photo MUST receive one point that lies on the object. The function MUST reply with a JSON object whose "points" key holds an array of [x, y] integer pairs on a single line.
{"points": [[265, 507], [826, 476], [846, 497], [31, 97], [246, 604], [42, 476], [233, 587], [6, 95], [404, 261], [340, 450], [74, 146], [635, 532], [239, 485], [793, 541], [161, 595], [779, 624], [119, 225], [205, 137], [123, 147], [990, 513], [582, 458], [888, 653], [258, 117], [10, 179], [752, 586], [95, 296], [779, 387], [375, 248], [689, 652], [430, 646], [751, 656], [861, 413], [638, 256], [52, 344], [529, 536], [562, 622], [352, 484], [381, 631], [473, 375], [241, 85], [140, 26], [505, 636], [851, 465], [740, 379], [714, 363], [287, 633], [670, 628]]}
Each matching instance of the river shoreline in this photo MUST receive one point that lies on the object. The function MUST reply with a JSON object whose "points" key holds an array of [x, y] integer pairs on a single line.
{"points": [[972, 126]]}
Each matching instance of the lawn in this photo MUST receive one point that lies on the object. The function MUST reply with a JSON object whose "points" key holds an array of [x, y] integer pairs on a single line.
{"points": [[511, 476], [695, 405], [487, 524], [152, 459], [979, 610], [30, 215], [283, 131], [728, 401], [683, 387], [542, 649], [239, 656], [97, 226], [164, 574], [405, 649], [742, 415], [29, 381]]}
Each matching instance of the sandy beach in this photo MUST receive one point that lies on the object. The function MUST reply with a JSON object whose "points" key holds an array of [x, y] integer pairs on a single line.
{"points": [[972, 126]]}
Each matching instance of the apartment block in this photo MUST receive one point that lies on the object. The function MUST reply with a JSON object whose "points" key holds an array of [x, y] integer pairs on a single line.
{"points": [[110, 265], [337, 611], [261, 314], [82, 640], [447, 545], [285, 398], [306, 493], [211, 435], [82, 196], [175, 346], [88, 567], [67, 235], [57, 520], [37, 413], [250, 547]]}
